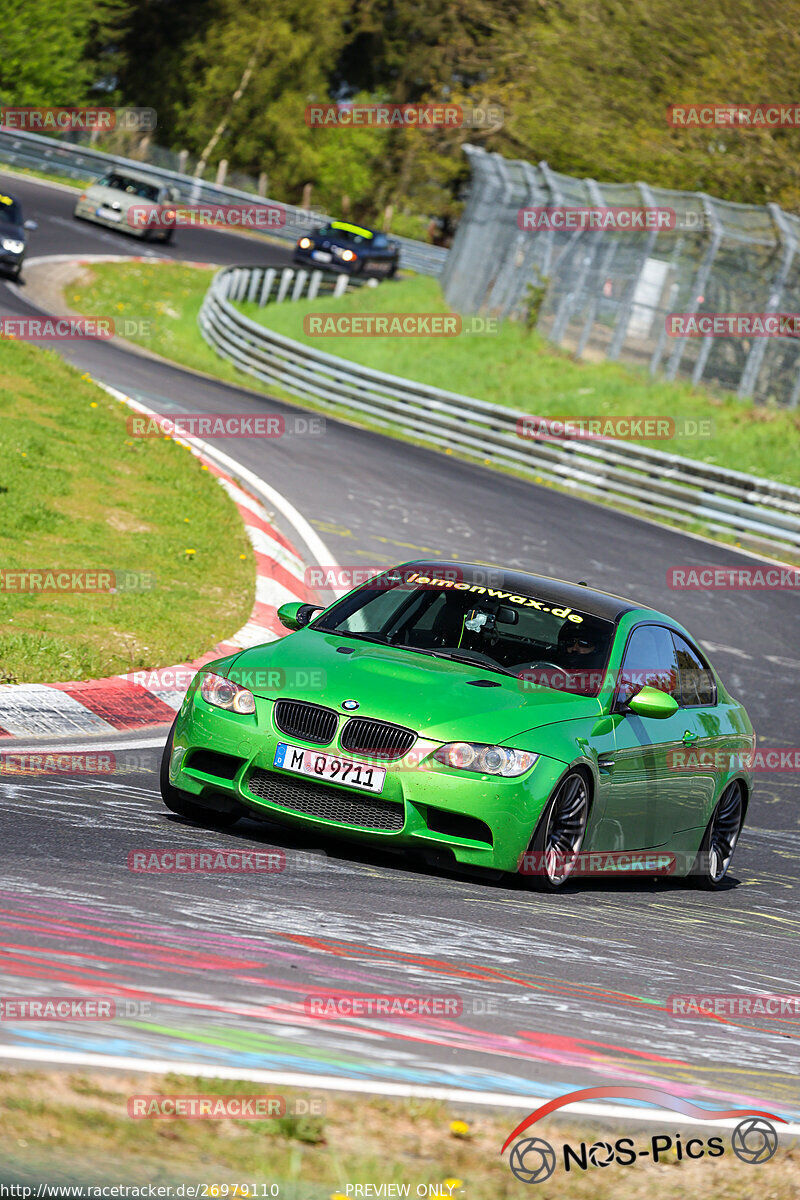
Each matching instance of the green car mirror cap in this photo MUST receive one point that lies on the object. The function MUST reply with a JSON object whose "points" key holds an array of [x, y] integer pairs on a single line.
{"points": [[650, 702], [294, 614]]}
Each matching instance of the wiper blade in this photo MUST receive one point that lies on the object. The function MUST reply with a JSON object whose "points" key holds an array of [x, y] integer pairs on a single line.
{"points": [[471, 662], [362, 637]]}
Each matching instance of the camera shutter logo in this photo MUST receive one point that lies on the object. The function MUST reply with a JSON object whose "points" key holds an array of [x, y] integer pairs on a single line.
{"points": [[754, 1141], [532, 1161]]}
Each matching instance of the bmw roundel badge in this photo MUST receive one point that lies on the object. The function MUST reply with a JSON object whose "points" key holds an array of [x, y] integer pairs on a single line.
{"points": [[349, 704]]}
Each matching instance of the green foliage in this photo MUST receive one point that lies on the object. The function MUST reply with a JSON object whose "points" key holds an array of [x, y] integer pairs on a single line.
{"points": [[585, 84], [55, 54]]}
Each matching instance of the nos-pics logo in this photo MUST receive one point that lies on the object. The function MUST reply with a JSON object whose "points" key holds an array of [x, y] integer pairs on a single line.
{"points": [[533, 1160]]}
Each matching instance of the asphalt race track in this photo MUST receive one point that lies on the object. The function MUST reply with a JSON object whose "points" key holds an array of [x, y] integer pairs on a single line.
{"points": [[557, 992]]}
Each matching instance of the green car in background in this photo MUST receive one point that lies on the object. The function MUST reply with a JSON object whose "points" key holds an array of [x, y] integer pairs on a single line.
{"points": [[480, 717]]}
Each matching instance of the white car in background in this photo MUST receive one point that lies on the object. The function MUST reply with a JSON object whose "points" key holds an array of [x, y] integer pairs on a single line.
{"points": [[109, 199]]}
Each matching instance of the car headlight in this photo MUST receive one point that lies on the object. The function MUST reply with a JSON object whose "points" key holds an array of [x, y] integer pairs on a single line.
{"points": [[488, 760], [224, 693], [348, 255], [304, 243], [13, 246]]}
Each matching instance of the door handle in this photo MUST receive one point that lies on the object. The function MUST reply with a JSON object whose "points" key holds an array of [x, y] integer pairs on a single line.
{"points": [[689, 737]]}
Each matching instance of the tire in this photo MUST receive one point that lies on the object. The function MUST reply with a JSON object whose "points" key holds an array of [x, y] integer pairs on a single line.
{"points": [[561, 829], [181, 804], [719, 840], [167, 237]]}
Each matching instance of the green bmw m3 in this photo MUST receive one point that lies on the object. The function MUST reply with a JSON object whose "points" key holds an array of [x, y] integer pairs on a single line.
{"points": [[481, 717]]}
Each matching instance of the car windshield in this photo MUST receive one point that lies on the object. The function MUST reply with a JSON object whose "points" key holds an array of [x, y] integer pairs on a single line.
{"points": [[478, 616], [10, 211], [342, 232], [132, 187]]}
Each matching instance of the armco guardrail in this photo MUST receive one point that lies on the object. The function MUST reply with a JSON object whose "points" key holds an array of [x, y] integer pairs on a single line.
{"points": [[273, 285], [651, 482], [78, 162]]}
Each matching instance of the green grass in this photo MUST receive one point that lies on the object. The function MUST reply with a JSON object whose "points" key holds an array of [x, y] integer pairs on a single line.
{"points": [[63, 1128], [50, 176], [78, 492], [165, 296], [515, 367]]}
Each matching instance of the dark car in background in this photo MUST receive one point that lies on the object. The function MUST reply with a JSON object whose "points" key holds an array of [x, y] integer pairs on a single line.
{"points": [[13, 231], [354, 249]]}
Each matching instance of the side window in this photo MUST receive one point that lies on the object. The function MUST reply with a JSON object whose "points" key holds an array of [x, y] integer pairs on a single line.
{"points": [[649, 662], [696, 678], [103, 181]]}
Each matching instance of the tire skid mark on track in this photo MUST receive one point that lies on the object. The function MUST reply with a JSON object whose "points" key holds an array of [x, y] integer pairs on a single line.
{"points": [[263, 1019]]}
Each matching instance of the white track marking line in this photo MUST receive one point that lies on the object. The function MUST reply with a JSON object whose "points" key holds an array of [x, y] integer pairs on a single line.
{"points": [[314, 543], [160, 1066]]}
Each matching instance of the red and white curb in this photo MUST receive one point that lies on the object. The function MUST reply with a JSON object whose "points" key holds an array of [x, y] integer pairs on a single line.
{"points": [[142, 699]]}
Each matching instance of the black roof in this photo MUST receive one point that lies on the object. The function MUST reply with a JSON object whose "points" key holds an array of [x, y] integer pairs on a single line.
{"points": [[584, 599]]}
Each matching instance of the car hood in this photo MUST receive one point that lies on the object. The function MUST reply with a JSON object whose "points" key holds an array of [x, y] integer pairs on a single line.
{"points": [[13, 231], [436, 697]]}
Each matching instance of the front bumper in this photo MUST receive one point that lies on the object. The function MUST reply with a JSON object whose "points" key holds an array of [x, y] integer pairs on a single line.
{"points": [[379, 267], [10, 260], [477, 820]]}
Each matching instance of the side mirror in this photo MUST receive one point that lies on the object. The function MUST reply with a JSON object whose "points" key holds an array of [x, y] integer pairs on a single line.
{"points": [[295, 615], [31, 225], [650, 702]]}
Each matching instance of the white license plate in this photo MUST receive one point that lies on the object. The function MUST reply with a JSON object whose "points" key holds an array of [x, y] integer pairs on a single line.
{"points": [[328, 766], [321, 255], [109, 214]]}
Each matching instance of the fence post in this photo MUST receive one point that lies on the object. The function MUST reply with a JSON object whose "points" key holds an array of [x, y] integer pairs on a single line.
{"points": [[299, 284], [286, 278], [698, 287], [749, 379], [266, 286], [621, 329], [253, 288]]}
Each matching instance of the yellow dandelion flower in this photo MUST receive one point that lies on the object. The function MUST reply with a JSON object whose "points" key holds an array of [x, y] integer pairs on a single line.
{"points": [[459, 1128]]}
